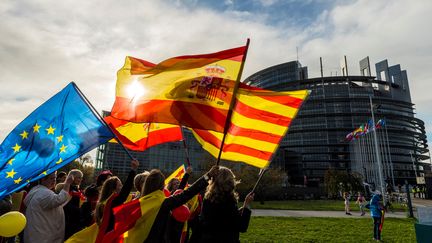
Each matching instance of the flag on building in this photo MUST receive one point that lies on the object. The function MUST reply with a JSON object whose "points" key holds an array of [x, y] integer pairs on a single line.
{"points": [[259, 121], [141, 136], [194, 91], [178, 173], [57, 132], [380, 123]]}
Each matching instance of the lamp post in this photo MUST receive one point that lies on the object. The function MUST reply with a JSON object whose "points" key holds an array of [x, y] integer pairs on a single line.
{"points": [[377, 153]]}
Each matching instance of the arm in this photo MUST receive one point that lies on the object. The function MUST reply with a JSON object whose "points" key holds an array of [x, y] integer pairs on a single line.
{"points": [[177, 200], [184, 181], [52, 200], [127, 187]]}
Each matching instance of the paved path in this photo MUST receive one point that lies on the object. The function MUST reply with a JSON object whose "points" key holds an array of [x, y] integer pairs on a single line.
{"points": [[328, 214]]}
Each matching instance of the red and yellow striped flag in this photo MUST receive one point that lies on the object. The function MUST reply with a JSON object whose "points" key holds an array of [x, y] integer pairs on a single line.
{"points": [[178, 173], [260, 120], [141, 136], [194, 91]]}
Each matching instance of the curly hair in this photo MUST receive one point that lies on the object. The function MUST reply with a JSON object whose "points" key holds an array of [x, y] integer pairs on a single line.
{"points": [[222, 187]]}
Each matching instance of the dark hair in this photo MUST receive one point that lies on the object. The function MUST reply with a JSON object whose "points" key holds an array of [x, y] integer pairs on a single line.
{"points": [[102, 177], [154, 181], [91, 191]]}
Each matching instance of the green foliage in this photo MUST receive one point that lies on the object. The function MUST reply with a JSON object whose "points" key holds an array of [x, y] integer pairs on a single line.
{"points": [[282, 229], [337, 181]]}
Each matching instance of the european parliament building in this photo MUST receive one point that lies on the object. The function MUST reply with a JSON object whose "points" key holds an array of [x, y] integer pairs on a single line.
{"points": [[336, 106], [316, 141]]}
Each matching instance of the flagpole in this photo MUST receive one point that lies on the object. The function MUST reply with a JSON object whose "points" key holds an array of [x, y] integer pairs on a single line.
{"points": [[233, 100], [262, 171], [103, 121], [185, 147]]}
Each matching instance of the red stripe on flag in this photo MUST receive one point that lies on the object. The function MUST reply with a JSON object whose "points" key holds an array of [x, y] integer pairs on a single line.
{"points": [[283, 100], [168, 111], [254, 134], [261, 115], [208, 137], [241, 149]]}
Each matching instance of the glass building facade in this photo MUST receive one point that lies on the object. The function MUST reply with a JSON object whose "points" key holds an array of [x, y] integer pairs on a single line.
{"points": [[337, 105]]}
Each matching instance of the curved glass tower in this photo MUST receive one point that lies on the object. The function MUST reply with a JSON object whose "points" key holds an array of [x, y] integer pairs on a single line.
{"points": [[316, 140]]}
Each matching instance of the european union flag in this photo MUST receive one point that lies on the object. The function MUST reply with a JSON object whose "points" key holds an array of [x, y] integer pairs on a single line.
{"points": [[57, 132]]}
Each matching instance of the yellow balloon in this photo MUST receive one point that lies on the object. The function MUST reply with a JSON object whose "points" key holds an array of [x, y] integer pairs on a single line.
{"points": [[12, 223]]}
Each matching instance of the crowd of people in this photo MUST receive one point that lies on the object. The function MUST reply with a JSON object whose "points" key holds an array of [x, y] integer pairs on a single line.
{"points": [[58, 210]]}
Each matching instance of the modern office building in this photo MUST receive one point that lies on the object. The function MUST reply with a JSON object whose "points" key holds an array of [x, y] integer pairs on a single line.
{"points": [[337, 105]]}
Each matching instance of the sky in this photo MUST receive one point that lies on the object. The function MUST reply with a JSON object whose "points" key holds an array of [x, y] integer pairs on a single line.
{"points": [[46, 44]]}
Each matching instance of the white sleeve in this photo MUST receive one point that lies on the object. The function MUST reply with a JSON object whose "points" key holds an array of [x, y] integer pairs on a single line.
{"points": [[53, 200]]}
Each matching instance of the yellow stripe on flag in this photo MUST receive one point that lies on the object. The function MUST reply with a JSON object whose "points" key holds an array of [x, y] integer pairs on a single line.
{"points": [[179, 171], [248, 123]]}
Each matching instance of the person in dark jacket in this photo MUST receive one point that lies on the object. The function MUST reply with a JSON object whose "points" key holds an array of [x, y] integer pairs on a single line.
{"points": [[121, 192], [72, 208], [221, 220]]}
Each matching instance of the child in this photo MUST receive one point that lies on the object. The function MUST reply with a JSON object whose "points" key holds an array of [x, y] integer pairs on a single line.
{"points": [[361, 201], [347, 198]]}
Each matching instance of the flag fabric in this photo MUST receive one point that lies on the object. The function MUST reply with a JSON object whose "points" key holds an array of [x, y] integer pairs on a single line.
{"points": [[136, 217], [57, 132], [141, 136], [194, 91], [380, 123], [178, 173], [259, 121], [349, 137]]}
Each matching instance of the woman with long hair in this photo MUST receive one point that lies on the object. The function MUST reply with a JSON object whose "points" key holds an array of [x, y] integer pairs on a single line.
{"points": [[155, 207], [113, 187], [221, 219]]}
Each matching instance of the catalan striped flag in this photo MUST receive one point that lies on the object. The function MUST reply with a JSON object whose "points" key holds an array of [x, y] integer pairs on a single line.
{"points": [[194, 91], [260, 120], [141, 136]]}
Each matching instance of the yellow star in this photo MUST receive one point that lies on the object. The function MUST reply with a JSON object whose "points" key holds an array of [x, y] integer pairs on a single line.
{"points": [[24, 134], [11, 160], [44, 173], [63, 148], [59, 161], [10, 174], [50, 130], [16, 148], [17, 181], [60, 138], [36, 128]]}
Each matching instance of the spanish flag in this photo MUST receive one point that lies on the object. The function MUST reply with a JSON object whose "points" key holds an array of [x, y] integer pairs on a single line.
{"points": [[259, 121], [178, 173], [194, 91], [141, 136]]}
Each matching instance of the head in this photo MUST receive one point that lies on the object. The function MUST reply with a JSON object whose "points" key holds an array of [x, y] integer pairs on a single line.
{"points": [[154, 181], [173, 185], [102, 177], [77, 175], [139, 180], [222, 187], [91, 192], [49, 180], [61, 177], [110, 186]]}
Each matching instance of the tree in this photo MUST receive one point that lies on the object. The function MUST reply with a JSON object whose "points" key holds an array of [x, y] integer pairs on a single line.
{"points": [[339, 181], [85, 165]]}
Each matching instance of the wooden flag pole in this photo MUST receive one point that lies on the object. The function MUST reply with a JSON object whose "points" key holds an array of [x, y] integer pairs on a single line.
{"points": [[262, 171], [232, 103], [185, 147], [102, 120]]}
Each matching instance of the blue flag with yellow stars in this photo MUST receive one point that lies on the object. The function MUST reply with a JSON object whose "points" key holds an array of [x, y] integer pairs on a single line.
{"points": [[57, 132]]}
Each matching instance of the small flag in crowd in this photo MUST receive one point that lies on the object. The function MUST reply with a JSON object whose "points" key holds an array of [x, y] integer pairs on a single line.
{"points": [[178, 173], [194, 91], [57, 132], [141, 136], [260, 120]]}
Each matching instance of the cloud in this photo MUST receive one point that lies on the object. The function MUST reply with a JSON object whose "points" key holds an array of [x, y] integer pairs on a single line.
{"points": [[45, 45]]}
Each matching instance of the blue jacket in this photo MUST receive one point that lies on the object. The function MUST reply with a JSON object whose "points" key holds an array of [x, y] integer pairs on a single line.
{"points": [[375, 208]]}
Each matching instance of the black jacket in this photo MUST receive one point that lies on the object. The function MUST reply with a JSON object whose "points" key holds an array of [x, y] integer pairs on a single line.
{"points": [[223, 222], [158, 231]]}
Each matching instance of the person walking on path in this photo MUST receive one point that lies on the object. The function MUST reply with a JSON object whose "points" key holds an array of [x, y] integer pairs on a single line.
{"points": [[361, 202], [347, 198]]}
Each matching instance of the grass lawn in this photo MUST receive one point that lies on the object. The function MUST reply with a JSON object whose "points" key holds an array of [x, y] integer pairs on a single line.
{"points": [[281, 229], [314, 205]]}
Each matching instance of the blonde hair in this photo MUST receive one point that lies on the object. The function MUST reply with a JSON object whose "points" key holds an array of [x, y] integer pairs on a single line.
{"points": [[139, 180], [108, 188], [222, 186]]}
